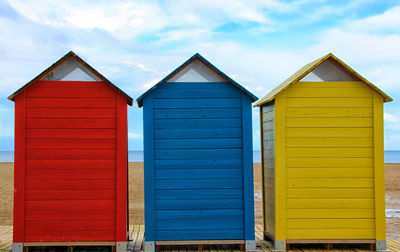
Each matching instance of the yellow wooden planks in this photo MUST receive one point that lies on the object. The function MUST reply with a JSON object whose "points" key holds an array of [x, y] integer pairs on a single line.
{"points": [[331, 233], [379, 169], [353, 92], [330, 223], [350, 122], [330, 172], [330, 84], [346, 142], [329, 132], [329, 112], [329, 102], [310, 193], [330, 213], [330, 203], [330, 162], [330, 182], [330, 152]]}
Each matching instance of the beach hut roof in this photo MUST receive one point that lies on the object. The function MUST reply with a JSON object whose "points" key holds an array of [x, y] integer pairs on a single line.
{"points": [[68, 56], [186, 63], [305, 70]]}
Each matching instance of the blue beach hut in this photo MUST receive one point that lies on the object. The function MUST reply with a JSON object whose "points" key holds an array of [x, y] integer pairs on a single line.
{"points": [[198, 164]]}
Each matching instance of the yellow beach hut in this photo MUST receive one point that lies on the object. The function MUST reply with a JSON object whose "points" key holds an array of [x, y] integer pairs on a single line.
{"points": [[322, 157]]}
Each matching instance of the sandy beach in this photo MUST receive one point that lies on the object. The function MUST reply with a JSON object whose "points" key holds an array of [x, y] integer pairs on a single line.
{"points": [[136, 197]]}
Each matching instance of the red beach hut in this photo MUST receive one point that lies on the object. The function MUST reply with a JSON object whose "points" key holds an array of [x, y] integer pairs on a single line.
{"points": [[70, 174]]}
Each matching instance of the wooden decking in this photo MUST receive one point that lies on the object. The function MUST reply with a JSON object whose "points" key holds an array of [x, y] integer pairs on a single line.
{"points": [[137, 243]]}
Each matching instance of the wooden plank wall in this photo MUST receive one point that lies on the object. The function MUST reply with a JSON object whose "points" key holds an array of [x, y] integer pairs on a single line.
{"points": [[330, 161], [198, 161], [268, 149], [71, 157]]}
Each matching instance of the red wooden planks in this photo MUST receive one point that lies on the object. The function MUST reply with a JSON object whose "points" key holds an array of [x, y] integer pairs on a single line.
{"points": [[74, 154], [122, 171], [54, 102], [19, 168], [61, 112], [71, 143], [70, 164], [70, 133], [70, 174], [70, 210], [72, 84], [74, 162], [70, 89], [61, 236], [72, 225], [65, 184], [70, 123], [94, 194]]}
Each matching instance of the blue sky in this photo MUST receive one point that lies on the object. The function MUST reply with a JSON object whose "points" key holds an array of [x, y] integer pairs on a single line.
{"points": [[257, 43]]}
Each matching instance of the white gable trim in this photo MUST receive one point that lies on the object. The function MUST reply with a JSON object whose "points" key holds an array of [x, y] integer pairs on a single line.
{"points": [[328, 71], [196, 71]]}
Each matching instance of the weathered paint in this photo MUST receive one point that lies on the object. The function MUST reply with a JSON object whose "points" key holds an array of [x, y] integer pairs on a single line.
{"points": [[198, 161], [267, 120]]}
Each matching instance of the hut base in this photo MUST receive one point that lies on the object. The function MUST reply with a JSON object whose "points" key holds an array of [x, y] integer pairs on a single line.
{"points": [[373, 245], [115, 246]]}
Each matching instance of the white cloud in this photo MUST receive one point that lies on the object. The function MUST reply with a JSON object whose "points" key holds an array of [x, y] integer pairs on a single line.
{"points": [[150, 84], [390, 118], [117, 44], [138, 65], [389, 21], [367, 46], [124, 19]]}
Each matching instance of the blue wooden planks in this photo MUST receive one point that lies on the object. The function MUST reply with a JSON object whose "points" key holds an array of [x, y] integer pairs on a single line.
{"points": [[198, 103], [198, 85], [200, 223], [193, 214], [197, 113], [198, 123], [233, 163], [199, 204], [199, 173], [197, 133], [199, 165], [197, 92], [149, 195], [198, 183], [205, 143], [248, 177], [199, 194], [196, 234], [189, 154]]}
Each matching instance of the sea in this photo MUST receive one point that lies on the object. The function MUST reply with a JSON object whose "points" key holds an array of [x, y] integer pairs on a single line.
{"points": [[391, 156]]}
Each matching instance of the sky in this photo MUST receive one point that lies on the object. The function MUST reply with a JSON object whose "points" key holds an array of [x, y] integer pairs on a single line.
{"points": [[257, 43]]}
